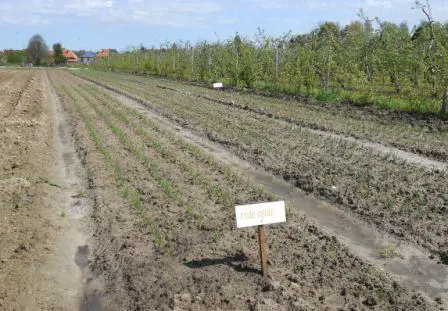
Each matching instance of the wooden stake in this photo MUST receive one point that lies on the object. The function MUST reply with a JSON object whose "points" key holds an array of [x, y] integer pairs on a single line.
{"points": [[263, 253]]}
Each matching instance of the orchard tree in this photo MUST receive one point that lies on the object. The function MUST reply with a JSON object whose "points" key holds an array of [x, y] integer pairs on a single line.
{"points": [[436, 53], [58, 54], [37, 49]]}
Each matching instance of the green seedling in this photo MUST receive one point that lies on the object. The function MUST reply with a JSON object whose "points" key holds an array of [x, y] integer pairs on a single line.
{"points": [[197, 216], [55, 184], [166, 186], [289, 210], [81, 194], [157, 235], [157, 145], [138, 204], [390, 204], [216, 236], [390, 252]]}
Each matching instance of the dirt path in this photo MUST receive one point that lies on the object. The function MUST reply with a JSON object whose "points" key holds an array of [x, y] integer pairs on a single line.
{"points": [[409, 264], [44, 261]]}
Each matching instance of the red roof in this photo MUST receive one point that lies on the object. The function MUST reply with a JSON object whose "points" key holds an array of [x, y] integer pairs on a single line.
{"points": [[6, 52], [104, 53], [70, 55]]}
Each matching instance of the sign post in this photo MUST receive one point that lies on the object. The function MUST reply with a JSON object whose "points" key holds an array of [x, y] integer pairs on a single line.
{"points": [[217, 85], [263, 252], [259, 215]]}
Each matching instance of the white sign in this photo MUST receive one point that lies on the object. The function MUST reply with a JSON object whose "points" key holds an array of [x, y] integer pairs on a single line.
{"points": [[260, 214], [217, 85]]}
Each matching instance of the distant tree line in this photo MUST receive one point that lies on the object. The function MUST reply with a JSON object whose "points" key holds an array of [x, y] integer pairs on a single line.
{"points": [[37, 53]]}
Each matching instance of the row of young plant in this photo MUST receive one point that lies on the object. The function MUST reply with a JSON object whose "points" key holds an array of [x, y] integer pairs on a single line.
{"points": [[318, 250], [127, 190], [148, 137], [341, 121], [389, 64], [410, 194], [141, 127]]}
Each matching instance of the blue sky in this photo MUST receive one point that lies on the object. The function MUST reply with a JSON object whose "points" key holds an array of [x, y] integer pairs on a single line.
{"points": [[96, 24]]}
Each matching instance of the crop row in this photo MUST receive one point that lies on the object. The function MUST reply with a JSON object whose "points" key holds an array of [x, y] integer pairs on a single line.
{"points": [[429, 139], [302, 252], [405, 200]]}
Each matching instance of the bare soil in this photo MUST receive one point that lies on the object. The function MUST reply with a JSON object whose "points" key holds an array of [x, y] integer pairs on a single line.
{"points": [[211, 265], [106, 208], [362, 239], [42, 200], [401, 198]]}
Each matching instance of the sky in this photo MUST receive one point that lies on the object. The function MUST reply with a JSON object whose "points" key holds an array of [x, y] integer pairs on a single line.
{"points": [[97, 24]]}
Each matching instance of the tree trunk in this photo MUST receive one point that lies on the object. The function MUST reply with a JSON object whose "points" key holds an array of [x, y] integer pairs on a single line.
{"points": [[276, 62], [327, 76], [209, 62], [444, 101]]}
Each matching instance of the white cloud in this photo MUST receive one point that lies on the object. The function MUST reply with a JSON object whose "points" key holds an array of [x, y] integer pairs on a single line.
{"points": [[292, 4], [346, 10], [208, 13], [175, 13]]}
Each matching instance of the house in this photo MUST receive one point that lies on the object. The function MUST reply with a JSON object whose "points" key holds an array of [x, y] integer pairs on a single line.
{"points": [[71, 57], [105, 53], [88, 57]]}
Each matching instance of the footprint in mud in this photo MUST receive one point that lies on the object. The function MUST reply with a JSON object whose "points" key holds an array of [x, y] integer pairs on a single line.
{"points": [[93, 297], [78, 208], [82, 256], [93, 290]]}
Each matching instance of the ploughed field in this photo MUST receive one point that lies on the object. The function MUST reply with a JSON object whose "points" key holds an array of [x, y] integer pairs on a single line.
{"points": [[405, 199], [162, 224]]}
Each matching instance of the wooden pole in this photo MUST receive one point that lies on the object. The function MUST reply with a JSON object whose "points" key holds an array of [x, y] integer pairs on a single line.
{"points": [[263, 252]]}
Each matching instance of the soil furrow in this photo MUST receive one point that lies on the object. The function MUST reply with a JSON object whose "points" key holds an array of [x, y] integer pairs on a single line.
{"points": [[388, 193], [364, 241], [206, 267]]}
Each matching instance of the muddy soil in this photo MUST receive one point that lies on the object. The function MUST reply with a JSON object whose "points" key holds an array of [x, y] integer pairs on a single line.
{"points": [[159, 254], [42, 200]]}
